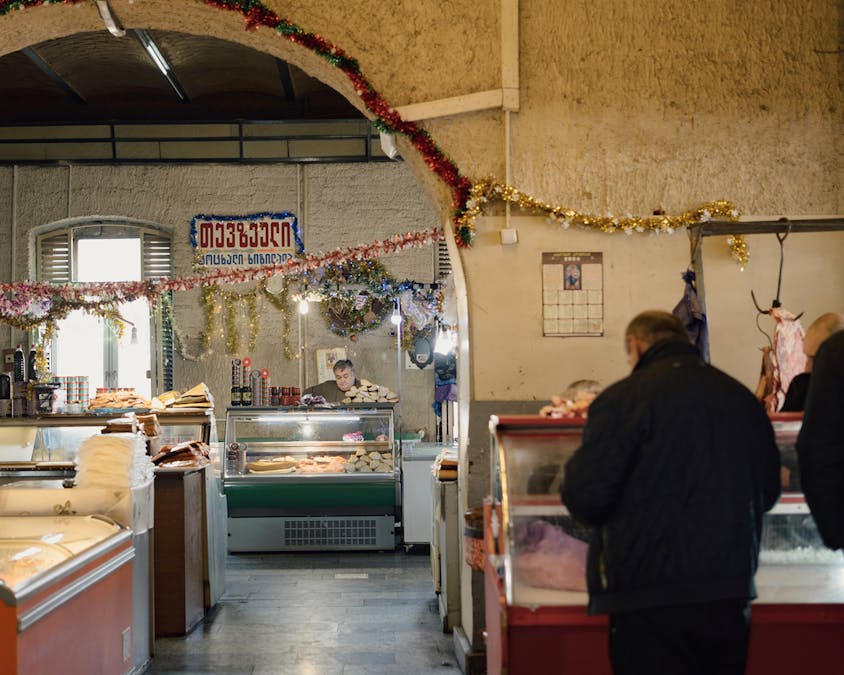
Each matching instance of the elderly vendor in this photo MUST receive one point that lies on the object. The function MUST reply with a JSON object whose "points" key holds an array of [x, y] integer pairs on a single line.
{"points": [[334, 391]]}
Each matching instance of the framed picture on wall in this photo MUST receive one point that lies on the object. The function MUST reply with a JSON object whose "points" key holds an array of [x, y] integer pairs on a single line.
{"points": [[325, 360], [572, 294]]}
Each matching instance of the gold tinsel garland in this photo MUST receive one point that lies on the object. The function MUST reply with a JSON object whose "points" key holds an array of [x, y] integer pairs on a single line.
{"points": [[281, 302], [739, 249], [42, 367], [210, 308], [231, 303], [486, 191], [229, 307], [230, 321]]}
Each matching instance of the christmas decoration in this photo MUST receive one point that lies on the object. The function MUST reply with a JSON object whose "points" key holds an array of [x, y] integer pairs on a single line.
{"points": [[739, 249], [281, 302], [467, 199], [486, 191], [103, 298], [27, 304]]}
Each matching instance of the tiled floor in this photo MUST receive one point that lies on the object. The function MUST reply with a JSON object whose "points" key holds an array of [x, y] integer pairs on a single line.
{"points": [[367, 613]]}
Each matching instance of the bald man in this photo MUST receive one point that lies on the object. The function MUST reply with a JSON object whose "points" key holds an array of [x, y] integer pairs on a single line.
{"points": [[821, 328], [677, 466]]}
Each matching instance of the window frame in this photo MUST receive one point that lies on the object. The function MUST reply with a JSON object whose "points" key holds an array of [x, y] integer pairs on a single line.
{"points": [[56, 262]]}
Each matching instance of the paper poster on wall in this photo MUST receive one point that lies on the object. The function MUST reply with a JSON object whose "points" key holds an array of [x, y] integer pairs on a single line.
{"points": [[572, 294], [325, 360], [252, 240]]}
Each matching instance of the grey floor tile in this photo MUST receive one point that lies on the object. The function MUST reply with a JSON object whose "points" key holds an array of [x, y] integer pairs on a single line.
{"points": [[313, 614]]}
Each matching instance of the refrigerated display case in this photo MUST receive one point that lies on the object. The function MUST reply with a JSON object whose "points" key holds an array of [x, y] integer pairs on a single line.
{"points": [[44, 447], [534, 579], [65, 595], [536, 619], [800, 582], [311, 478]]}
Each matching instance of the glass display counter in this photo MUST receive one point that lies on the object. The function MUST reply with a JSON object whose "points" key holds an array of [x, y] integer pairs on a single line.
{"points": [[37, 456], [44, 447], [534, 573], [534, 576], [311, 479], [800, 582]]}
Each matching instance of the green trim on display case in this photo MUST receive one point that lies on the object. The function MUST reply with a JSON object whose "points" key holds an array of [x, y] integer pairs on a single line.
{"points": [[304, 495]]}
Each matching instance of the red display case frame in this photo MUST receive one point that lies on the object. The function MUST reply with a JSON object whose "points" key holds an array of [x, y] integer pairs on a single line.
{"points": [[806, 638]]}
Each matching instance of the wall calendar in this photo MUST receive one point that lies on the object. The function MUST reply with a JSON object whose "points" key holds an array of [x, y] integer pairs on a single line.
{"points": [[572, 294]]}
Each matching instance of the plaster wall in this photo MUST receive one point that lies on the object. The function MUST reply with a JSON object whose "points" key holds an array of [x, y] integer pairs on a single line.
{"points": [[639, 273], [625, 107], [338, 206]]}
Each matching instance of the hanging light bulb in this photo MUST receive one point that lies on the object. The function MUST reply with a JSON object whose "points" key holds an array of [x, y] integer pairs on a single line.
{"points": [[304, 306], [396, 319], [443, 343]]}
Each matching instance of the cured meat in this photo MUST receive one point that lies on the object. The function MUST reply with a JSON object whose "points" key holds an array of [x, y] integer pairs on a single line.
{"points": [[323, 464], [788, 346], [769, 390], [782, 362], [273, 465]]}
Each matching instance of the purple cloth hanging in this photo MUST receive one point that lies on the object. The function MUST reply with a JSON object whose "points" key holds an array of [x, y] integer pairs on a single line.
{"points": [[690, 311]]}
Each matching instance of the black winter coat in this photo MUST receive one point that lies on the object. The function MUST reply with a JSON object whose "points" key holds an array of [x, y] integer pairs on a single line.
{"points": [[677, 467], [820, 445]]}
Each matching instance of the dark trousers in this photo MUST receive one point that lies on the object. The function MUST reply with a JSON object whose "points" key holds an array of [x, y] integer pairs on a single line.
{"points": [[701, 639]]}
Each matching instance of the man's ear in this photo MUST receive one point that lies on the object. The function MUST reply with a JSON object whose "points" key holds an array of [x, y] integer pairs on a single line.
{"points": [[635, 349]]}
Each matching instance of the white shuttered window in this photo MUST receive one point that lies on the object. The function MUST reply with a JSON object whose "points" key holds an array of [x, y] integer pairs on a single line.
{"points": [[85, 252]]}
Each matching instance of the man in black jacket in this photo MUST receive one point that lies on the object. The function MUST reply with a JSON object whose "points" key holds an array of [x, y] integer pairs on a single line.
{"points": [[677, 467], [820, 445]]}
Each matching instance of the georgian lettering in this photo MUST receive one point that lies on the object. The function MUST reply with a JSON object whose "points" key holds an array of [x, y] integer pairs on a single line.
{"points": [[242, 241]]}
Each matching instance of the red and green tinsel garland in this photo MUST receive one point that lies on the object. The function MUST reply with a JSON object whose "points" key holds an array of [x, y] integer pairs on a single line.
{"points": [[467, 199], [386, 118], [30, 303]]}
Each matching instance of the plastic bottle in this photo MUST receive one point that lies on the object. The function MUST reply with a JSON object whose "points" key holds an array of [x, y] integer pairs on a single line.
{"points": [[31, 369], [19, 370]]}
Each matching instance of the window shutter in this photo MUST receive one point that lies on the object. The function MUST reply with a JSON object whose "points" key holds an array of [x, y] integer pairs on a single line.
{"points": [[157, 263], [156, 258], [55, 257], [443, 260]]}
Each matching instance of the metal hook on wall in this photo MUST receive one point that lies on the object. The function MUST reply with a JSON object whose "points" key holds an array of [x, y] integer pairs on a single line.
{"points": [[775, 303]]}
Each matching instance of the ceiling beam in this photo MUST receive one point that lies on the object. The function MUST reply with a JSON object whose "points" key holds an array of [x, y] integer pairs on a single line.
{"points": [[161, 63], [57, 79], [286, 80]]}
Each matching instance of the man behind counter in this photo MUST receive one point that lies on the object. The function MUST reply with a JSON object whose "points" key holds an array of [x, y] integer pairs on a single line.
{"points": [[334, 391]]}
